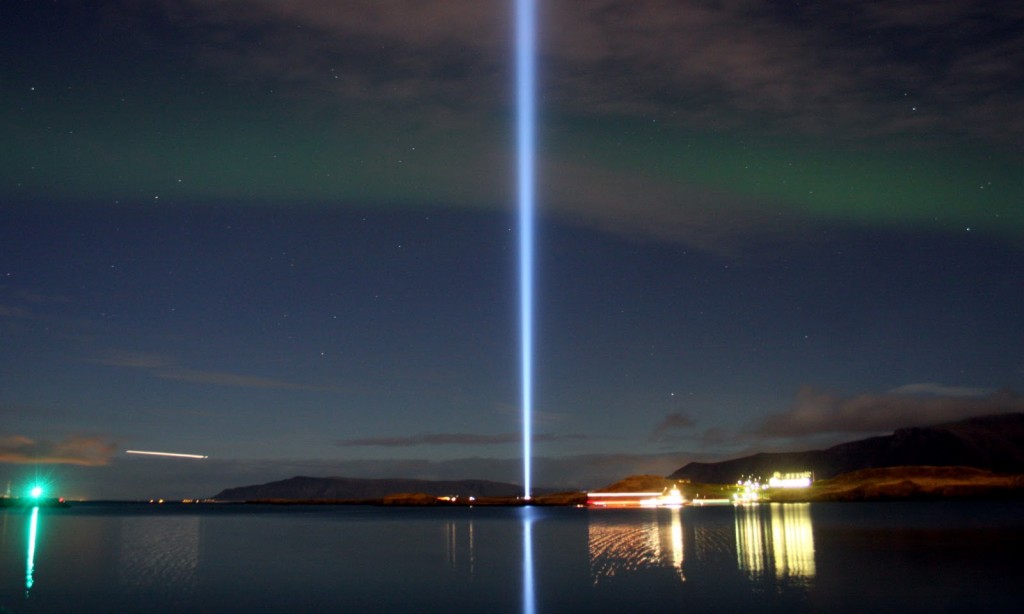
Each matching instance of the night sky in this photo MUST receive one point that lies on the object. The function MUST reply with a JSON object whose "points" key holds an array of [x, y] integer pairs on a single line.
{"points": [[283, 234]]}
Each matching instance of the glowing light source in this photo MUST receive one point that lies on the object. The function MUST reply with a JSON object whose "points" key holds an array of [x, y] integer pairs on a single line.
{"points": [[36, 491], [790, 480], [525, 130], [174, 454]]}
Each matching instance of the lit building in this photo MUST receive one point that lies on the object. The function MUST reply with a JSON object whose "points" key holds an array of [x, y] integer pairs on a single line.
{"points": [[800, 479]]}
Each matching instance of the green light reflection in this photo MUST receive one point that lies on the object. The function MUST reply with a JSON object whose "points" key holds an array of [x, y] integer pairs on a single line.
{"points": [[30, 559]]}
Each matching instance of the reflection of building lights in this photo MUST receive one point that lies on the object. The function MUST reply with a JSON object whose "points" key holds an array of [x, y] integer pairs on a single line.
{"points": [[750, 541], [677, 542], [793, 540], [780, 544], [460, 553], [622, 547]]}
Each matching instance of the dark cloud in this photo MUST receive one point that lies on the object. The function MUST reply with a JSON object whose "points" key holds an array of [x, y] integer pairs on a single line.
{"points": [[673, 422], [444, 439], [73, 450], [439, 75], [660, 209], [849, 66], [816, 412], [932, 389], [13, 312], [669, 427]]}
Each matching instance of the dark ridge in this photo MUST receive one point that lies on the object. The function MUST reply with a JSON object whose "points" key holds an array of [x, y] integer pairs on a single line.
{"points": [[334, 488], [994, 443]]}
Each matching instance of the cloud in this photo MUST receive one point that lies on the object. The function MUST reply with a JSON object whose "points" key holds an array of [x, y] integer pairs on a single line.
{"points": [[444, 439], [73, 450], [931, 389], [660, 209], [816, 412], [673, 422], [133, 360], [850, 66], [164, 367], [669, 426], [13, 312]]}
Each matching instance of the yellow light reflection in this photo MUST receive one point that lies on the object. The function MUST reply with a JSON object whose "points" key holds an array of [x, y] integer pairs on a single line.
{"points": [[451, 544], [626, 546], [793, 540], [779, 544], [30, 559], [460, 553], [677, 542], [750, 540]]}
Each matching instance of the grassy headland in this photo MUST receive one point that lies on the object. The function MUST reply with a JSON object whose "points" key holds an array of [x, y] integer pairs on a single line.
{"points": [[908, 483]]}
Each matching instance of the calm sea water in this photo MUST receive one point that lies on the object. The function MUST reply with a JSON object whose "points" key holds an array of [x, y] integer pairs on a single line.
{"points": [[917, 557]]}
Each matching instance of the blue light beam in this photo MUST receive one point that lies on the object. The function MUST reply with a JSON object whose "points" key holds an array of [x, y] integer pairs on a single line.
{"points": [[526, 102]]}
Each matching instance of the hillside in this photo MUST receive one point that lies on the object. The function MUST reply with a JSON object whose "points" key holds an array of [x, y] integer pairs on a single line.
{"points": [[334, 488], [909, 483], [993, 443]]}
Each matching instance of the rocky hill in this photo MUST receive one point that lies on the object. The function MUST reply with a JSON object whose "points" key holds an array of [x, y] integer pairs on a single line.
{"points": [[993, 443], [302, 488]]}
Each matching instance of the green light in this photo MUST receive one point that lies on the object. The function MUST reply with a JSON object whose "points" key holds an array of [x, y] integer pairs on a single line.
{"points": [[36, 492]]}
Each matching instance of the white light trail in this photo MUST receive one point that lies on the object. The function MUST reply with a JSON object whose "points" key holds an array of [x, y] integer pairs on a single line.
{"points": [[174, 454], [525, 103]]}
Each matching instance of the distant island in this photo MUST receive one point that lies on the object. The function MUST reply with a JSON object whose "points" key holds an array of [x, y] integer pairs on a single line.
{"points": [[341, 488], [972, 458]]}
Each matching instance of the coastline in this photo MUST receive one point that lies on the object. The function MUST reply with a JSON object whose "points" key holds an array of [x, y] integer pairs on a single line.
{"points": [[918, 483]]}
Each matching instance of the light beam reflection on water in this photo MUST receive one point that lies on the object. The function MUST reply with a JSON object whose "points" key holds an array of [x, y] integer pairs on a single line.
{"points": [[777, 541], [30, 558], [529, 598], [131, 558]]}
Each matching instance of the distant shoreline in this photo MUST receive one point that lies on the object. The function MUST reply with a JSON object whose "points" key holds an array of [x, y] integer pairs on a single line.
{"points": [[878, 484], [907, 483], [423, 500]]}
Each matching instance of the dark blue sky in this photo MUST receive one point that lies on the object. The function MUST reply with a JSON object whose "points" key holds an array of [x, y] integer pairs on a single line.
{"points": [[284, 236]]}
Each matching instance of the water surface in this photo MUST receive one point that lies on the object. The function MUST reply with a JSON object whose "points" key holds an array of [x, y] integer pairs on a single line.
{"points": [[909, 557]]}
